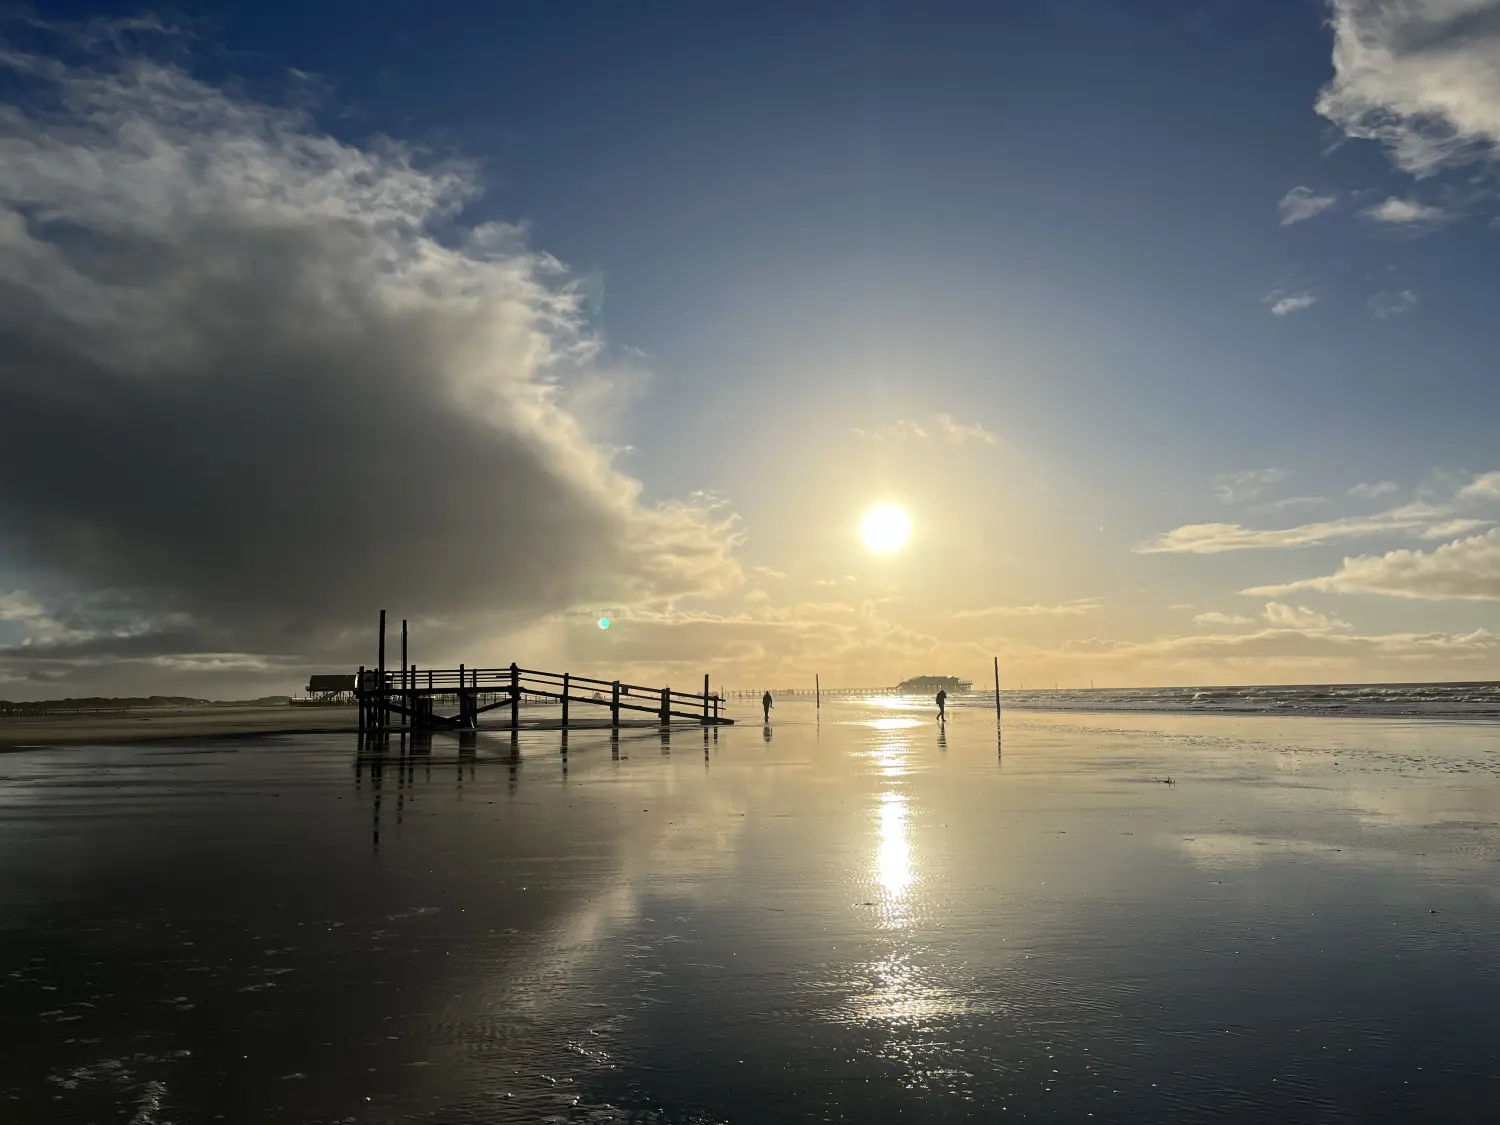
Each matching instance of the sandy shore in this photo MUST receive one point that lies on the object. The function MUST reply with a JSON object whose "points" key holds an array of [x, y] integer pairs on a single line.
{"points": [[155, 723]]}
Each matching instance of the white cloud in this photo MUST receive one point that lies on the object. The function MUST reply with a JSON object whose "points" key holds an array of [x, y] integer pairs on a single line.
{"points": [[1421, 77], [1217, 618], [940, 427], [1075, 608], [1466, 570], [1301, 204], [1406, 212], [1282, 616], [1392, 303], [1285, 304], [1420, 519], [1485, 487], [1373, 490], [1236, 488]]}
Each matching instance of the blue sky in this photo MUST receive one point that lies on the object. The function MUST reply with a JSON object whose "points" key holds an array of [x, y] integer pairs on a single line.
{"points": [[1120, 238]]}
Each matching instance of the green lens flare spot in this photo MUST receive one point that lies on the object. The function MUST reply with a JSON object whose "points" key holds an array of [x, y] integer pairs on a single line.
{"points": [[604, 623]]}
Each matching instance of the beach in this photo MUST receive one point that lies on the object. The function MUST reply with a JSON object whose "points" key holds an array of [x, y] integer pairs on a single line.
{"points": [[851, 914], [150, 724]]}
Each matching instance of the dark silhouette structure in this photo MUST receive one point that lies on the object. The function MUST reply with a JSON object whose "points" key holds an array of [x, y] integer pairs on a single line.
{"points": [[408, 698]]}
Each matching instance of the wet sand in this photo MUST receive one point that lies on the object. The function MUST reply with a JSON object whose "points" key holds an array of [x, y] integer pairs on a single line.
{"points": [[860, 918], [159, 724], [148, 724]]}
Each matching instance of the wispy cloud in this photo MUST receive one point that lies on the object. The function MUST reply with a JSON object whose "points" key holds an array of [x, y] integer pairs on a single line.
{"points": [[1373, 490], [1417, 76], [1484, 487], [1216, 618], [1407, 212], [1421, 519], [1284, 304], [1465, 570], [1075, 608], [940, 427], [1392, 303], [1282, 616], [1278, 615], [1301, 204], [1247, 484]]}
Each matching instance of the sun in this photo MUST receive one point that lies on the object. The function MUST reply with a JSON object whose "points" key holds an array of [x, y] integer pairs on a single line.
{"points": [[885, 528]]}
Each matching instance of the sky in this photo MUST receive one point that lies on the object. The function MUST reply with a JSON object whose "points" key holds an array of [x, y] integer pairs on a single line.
{"points": [[1169, 325]]}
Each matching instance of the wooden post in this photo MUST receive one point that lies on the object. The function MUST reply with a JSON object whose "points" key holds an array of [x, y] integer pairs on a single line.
{"points": [[705, 699], [405, 697], [359, 695], [614, 706], [997, 696], [666, 706], [380, 685], [818, 690], [565, 700], [515, 697]]}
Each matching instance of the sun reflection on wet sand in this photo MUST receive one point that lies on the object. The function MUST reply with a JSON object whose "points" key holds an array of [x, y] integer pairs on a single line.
{"points": [[896, 723], [893, 859]]}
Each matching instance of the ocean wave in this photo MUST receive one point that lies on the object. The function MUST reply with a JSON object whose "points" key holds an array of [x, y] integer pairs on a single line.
{"points": [[1469, 700]]}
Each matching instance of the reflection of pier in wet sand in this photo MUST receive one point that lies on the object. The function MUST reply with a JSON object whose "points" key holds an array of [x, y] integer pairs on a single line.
{"points": [[412, 699], [376, 759]]}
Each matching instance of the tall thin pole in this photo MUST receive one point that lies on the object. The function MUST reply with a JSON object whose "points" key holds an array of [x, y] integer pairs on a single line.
{"points": [[382, 647], [705, 699], [405, 694], [380, 686], [818, 690], [997, 689]]}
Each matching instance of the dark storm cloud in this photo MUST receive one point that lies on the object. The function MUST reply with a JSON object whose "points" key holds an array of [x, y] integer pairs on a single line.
{"points": [[246, 387]]}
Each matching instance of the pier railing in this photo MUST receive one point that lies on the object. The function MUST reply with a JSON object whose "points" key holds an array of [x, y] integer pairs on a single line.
{"points": [[412, 695]]}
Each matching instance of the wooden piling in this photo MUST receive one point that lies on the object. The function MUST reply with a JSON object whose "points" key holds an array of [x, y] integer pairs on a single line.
{"points": [[565, 702], [380, 685], [705, 699], [515, 697], [997, 697], [818, 690], [405, 696], [359, 695], [614, 706], [666, 706]]}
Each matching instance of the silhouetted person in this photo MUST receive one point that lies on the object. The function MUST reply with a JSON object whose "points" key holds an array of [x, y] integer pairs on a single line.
{"points": [[765, 705], [942, 702]]}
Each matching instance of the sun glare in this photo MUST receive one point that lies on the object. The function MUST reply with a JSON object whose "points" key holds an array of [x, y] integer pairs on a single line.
{"points": [[885, 528]]}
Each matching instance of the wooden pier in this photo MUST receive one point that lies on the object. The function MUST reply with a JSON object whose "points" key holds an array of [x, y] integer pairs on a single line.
{"points": [[413, 698]]}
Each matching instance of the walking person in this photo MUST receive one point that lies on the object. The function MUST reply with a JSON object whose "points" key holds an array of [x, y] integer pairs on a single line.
{"points": [[765, 705], [942, 702]]}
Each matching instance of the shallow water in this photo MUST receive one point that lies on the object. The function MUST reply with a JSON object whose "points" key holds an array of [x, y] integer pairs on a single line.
{"points": [[853, 919]]}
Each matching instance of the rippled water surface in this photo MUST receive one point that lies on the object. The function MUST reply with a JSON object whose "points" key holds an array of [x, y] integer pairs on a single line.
{"points": [[1138, 917]]}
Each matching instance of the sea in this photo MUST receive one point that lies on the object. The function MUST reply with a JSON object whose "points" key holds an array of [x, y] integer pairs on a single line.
{"points": [[1157, 911], [1461, 700]]}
